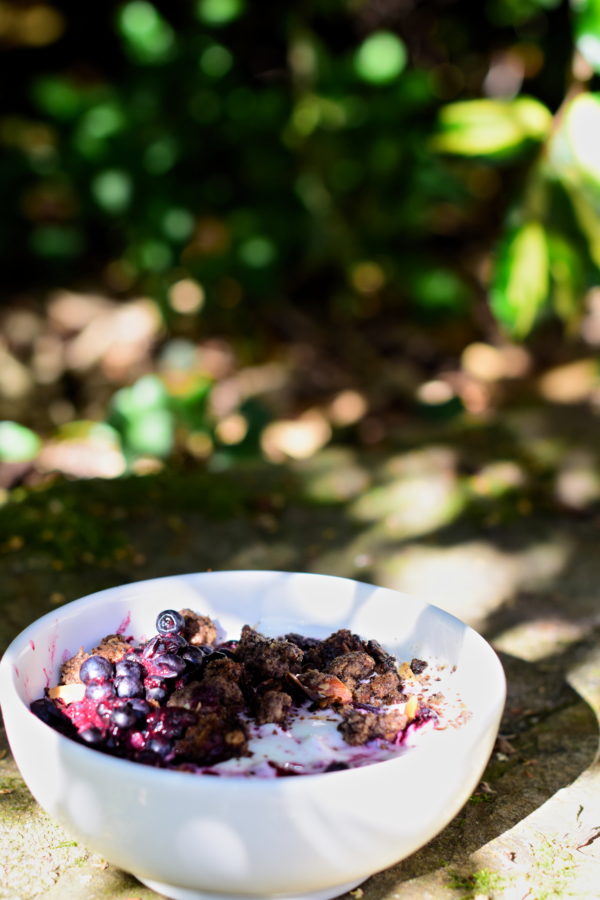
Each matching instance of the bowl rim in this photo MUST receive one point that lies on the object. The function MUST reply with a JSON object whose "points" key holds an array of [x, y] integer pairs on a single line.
{"points": [[155, 775]]}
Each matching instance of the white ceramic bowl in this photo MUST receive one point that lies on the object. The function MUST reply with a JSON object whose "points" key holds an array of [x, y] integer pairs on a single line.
{"points": [[193, 836]]}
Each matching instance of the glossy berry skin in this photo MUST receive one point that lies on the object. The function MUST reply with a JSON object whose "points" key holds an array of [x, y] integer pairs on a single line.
{"points": [[128, 666], [167, 665], [194, 656], [124, 717], [129, 686], [159, 744], [169, 621], [95, 668], [91, 735], [45, 710], [157, 691], [99, 690]]}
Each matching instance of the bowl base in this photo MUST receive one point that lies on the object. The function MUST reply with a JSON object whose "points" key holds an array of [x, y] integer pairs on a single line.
{"points": [[180, 893]]}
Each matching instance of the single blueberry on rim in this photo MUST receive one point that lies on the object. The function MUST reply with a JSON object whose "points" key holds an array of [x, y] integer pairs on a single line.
{"points": [[95, 668], [168, 621]]}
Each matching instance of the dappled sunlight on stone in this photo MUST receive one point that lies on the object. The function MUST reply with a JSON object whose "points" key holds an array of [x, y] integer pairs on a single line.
{"points": [[335, 475], [296, 438], [498, 478], [469, 581], [571, 383], [413, 505], [539, 638], [578, 480], [473, 579]]}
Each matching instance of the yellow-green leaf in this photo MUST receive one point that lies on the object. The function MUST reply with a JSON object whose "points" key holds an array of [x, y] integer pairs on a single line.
{"points": [[582, 135], [496, 128], [520, 282], [587, 30], [568, 279]]}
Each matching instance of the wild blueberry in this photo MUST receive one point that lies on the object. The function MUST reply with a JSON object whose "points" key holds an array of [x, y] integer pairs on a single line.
{"points": [[45, 710], [168, 665], [99, 690], [163, 643], [91, 735], [128, 666], [140, 705], [194, 656], [157, 690], [124, 717], [159, 744], [95, 668], [168, 621], [129, 686]]}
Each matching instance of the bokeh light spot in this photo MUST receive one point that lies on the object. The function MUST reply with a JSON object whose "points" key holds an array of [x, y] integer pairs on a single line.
{"points": [[219, 12], [216, 61], [112, 190], [257, 252], [178, 223], [186, 296], [380, 58]]}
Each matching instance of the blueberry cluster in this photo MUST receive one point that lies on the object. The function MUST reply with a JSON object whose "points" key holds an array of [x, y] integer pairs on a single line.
{"points": [[123, 711]]}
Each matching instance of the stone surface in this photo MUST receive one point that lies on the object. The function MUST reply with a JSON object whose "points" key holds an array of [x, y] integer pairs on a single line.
{"points": [[527, 576]]}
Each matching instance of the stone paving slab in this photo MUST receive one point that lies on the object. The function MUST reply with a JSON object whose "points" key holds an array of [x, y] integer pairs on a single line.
{"points": [[530, 831]]}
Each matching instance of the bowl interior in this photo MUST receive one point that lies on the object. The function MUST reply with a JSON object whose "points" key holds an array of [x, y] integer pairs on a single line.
{"points": [[274, 603]]}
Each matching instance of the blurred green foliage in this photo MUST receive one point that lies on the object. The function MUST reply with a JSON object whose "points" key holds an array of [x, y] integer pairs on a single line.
{"points": [[270, 153]]}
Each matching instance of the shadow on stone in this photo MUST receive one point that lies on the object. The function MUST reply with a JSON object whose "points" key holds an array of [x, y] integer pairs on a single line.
{"points": [[549, 736]]}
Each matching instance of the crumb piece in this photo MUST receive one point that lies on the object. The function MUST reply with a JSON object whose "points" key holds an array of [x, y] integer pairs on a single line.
{"points": [[212, 739], [379, 690], [300, 640], [358, 727], [417, 666], [69, 671], [384, 661], [352, 667], [198, 630], [113, 647], [273, 706], [265, 658]]}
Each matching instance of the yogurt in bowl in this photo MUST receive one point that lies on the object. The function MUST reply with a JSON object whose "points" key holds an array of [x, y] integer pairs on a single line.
{"points": [[192, 835]]}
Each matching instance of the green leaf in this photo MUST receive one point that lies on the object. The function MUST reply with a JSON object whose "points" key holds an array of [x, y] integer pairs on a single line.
{"points": [[151, 432], [17, 443], [380, 58], [492, 128], [520, 282], [587, 30], [582, 135], [568, 279]]}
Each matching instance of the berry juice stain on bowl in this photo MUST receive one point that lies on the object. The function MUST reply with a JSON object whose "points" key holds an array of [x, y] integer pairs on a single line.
{"points": [[167, 746]]}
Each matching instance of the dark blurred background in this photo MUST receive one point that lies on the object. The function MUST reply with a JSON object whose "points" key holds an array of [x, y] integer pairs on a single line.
{"points": [[236, 230]]}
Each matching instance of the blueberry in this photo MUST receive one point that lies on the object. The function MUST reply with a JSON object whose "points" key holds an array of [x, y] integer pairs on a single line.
{"points": [[163, 643], [99, 690], [193, 655], [129, 666], [140, 705], [159, 744], [91, 735], [45, 710], [124, 717], [129, 686], [168, 621], [169, 665], [157, 691], [95, 668]]}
